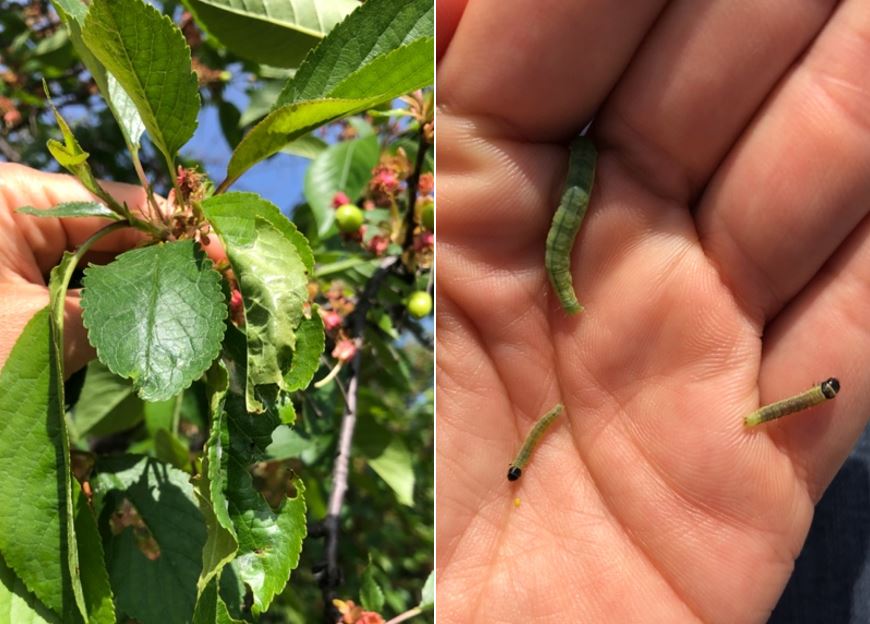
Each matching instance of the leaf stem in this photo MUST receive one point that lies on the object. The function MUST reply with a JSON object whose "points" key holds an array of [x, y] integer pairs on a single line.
{"points": [[70, 269], [223, 186], [149, 192], [407, 615]]}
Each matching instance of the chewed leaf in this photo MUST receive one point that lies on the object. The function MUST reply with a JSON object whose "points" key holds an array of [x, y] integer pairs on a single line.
{"points": [[310, 341], [272, 278], [270, 539], [156, 316], [153, 535]]}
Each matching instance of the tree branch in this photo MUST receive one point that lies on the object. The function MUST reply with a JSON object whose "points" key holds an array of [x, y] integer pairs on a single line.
{"points": [[413, 182], [331, 577], [9, 152]]}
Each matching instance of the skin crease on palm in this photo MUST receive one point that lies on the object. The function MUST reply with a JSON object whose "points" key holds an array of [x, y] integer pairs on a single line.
{"points": [[724, 264]]}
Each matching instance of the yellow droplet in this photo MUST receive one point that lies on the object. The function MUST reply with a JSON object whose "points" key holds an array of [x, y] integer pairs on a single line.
{"points": [[516, 502]]}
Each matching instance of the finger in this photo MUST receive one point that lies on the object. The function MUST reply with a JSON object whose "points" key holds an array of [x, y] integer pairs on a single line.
{"points": [[823, 333], [448, 14], [797, 185], [695, 83], [16, 311], [542, 67], [45, 239]]}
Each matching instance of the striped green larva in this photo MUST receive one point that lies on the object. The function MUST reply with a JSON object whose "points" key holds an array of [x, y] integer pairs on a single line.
{"points": [[828, 389], [522, 458], [567, 220]]}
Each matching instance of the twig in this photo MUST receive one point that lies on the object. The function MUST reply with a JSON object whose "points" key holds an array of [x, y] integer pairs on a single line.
{"points": [[331, 577], [407, 615], [9, 152], [413, 182], [424, 339]]}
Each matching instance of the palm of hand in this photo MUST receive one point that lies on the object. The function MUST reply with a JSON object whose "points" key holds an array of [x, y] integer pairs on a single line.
{"points": [[649, 501]]}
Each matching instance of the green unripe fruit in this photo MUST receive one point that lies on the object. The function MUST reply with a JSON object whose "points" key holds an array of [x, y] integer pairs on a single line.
{"points": [[419, 304], [348, 218], [427, 217]]}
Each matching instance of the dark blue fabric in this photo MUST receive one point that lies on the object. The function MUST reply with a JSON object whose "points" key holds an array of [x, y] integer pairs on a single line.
{"points": [[831, 580]]}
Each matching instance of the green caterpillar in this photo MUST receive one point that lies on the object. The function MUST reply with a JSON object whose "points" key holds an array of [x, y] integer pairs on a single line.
{"points": [[566, 222], [828, 389], [522, 458]]}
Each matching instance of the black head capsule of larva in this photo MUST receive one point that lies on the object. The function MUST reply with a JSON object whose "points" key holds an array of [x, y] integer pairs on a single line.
{"points": [[514, 473], [830, 387]]}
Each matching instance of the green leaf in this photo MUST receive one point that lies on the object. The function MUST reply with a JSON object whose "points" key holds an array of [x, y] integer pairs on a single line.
{"points": [[272, 278], [211, 609], [251, 206], [270, 540], [261, 99], [308, 146], [51, 43], [371, 596], [106, 404], [389, 457], [156, 315], [154, 549], [73, 13], [160, 415], [286, 410], [35, 538], [397, 72], [72, 209], [274, 32], [74, 159], [310, 341], [378, 28], [382, 50], [287, 124], [427, 600], [229, 117], [395, 466], [170, 449], [95, 577], [288, 443], [68, 154], [17, 605], [221, 542], [345, 167], [389, 359], [38, 540], [149, 57]]}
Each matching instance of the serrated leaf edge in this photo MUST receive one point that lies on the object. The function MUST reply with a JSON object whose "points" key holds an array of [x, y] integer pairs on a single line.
{"points": [[86, 323]]}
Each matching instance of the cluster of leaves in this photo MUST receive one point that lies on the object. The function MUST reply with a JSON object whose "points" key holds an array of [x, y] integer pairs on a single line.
{"points": [[199, 453]]}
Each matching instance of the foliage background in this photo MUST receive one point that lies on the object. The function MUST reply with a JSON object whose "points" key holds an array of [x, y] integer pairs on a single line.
{"points": [[395, 428]]}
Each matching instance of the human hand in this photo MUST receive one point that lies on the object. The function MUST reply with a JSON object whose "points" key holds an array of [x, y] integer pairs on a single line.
{"points": [[31, 246], [724, 264]]}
